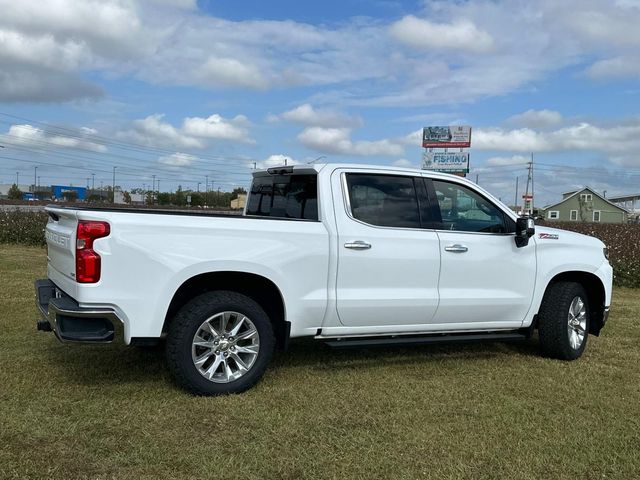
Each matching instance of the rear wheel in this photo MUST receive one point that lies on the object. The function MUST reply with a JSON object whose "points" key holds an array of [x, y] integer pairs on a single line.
{"points": [[219, 343], [563, 321]]}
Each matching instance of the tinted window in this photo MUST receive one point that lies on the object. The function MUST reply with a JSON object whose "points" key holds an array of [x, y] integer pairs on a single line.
{"points": [[284, 196], [385, 200], [464, 210]]}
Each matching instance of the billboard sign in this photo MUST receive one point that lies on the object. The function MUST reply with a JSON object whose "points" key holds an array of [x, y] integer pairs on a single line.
{"points": [[446, 137], [446, 162]]}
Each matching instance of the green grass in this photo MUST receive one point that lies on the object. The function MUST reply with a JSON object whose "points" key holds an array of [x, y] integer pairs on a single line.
{"points": [[475, 411]]}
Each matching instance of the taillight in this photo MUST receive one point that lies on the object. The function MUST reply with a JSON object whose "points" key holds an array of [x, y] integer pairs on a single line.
{"points": [[88, 261]]}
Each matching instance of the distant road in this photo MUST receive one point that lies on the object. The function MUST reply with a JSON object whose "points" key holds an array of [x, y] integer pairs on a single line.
{"points": [[40, 208], [28, 208]]}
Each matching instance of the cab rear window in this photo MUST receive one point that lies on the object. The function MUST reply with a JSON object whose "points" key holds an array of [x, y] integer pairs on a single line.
{"points": [[284, 196]]}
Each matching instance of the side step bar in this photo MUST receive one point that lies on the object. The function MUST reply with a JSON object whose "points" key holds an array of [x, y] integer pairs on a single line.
{"points": [[401, 341]]}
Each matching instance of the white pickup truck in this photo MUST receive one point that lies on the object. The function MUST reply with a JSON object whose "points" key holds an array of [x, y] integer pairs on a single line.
{"points": [[350, 255]]}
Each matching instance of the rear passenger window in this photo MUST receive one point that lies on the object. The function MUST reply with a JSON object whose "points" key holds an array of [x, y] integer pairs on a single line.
{"points": [[384, 200], [284, 196]]}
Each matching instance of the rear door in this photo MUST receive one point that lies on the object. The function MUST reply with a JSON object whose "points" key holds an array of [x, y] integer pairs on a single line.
{"points": [[484, 278], [388, 265]]}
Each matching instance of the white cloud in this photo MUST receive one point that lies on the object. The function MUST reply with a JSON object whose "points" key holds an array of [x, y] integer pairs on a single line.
{"points": [[182, 4], [458, 35], [307, 115], [42, 50], [27, 84], [219, 128], [177, 159], [107, 28], [458, 51], [44, 46], [153, 131], [537, 118], [413, 139], [617, 27], [613, 140], [338, 141], [275, 160], [403, 162], [618, 67], [34, 137], [229, 72]]}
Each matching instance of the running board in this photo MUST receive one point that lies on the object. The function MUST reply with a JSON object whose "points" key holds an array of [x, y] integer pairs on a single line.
{"points": [[400, 341]]}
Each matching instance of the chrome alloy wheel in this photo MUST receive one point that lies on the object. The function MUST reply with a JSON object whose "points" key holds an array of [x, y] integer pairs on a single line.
{"points": [[225, 347], [577, 322]]}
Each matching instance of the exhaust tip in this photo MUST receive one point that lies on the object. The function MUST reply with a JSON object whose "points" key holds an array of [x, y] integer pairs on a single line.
{"points": [[43, 326]]}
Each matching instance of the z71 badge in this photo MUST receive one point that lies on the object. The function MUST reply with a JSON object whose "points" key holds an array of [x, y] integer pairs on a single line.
{"points": [[549, 236]]}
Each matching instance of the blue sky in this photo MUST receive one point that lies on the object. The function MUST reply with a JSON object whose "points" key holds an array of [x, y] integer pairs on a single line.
{"points": [[182, 90]]}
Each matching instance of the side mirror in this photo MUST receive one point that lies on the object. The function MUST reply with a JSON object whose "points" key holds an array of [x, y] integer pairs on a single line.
{"points": [[525, 229]]}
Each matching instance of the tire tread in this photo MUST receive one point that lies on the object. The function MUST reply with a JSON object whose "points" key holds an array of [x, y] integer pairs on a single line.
{"points": [[181, 326], [552, 320]]}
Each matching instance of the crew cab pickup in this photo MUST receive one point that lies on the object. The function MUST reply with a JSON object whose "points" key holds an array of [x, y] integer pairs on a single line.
{"points": [[347, 254]]}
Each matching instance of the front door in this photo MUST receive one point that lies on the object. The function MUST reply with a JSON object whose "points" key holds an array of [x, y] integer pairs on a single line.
{"points": [[388, 265], [484, 279]]}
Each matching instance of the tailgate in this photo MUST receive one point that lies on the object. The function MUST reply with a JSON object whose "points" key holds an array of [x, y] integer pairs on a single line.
{"points": [[61, 241]]}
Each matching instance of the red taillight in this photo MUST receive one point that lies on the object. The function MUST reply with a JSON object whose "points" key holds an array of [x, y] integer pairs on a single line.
{"points": [[88, 261]]}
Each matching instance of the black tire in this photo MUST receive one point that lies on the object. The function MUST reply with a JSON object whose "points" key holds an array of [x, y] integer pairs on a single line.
{"points": [[186, 323], [553, 321]]}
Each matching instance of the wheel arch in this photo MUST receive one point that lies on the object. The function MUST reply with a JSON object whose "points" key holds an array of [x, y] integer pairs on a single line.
{"points": [[257, 287], [595, 291]]}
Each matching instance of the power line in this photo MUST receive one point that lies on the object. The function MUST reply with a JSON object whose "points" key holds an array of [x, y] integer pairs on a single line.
{"points": [[48, 148], [106, 141]]}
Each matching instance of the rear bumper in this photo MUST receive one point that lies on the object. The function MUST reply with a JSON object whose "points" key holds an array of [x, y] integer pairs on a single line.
{"points": [[72, 323]]}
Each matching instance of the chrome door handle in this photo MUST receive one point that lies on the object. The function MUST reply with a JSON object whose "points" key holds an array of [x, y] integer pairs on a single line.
{"points": [[358, 245], [457, 248]]}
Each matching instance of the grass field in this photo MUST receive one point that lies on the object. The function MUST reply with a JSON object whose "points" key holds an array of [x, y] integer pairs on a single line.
{"points": [[475, 411]]}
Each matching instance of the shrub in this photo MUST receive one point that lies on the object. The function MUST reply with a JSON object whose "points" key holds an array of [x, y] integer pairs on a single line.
{"points": [[623, 242], [22, 227]]}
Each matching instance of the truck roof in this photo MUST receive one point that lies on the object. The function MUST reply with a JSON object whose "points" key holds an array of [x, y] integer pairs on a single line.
{"points": [[316, 167]]}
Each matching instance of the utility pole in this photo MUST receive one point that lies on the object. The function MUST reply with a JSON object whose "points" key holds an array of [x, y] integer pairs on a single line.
{"points": [[477, 176], [198, 187], [255, 165], [18, 179], [113, 187], [526, 193], [285, 162], [516, 199], [87, 183], [93, 181], [153, 190], [35, 180], [532, 194]]}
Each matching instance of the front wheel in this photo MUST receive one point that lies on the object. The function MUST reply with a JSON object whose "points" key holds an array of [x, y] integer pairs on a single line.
{"points": [[219, 343], [563, 321]]}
